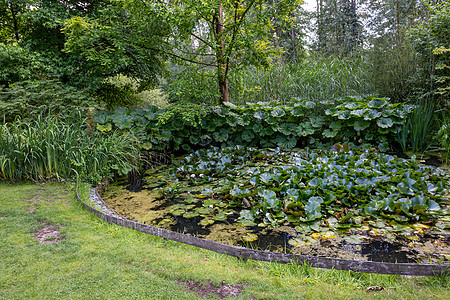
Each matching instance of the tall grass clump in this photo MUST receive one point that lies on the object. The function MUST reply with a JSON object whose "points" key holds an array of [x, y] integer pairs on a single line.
{"points": [[415, 134], [49, 148], [315, 79], [444, 136]]}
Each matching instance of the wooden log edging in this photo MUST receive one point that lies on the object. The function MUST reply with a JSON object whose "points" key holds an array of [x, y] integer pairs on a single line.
{"points": [[411, 269]]}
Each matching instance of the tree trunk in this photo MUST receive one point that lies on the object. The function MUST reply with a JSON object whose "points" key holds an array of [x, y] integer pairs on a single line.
{"points": [[15, 23], [221, 59]]}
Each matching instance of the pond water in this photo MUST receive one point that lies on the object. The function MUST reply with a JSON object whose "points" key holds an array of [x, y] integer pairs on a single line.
{"points": [[157, 198]]}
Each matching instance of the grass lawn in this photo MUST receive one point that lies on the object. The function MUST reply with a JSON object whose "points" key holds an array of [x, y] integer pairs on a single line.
{"points": [[96, 260]]}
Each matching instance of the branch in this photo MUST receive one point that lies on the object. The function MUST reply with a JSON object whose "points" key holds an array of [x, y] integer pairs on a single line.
{"points": [[201, 39], [179, 57]]}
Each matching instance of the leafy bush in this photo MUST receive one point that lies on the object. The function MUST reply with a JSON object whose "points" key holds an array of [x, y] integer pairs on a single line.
{"points": [[17, 63], [49, 148], [31, 98], [361, 120], [120, 91], [193, 84]]}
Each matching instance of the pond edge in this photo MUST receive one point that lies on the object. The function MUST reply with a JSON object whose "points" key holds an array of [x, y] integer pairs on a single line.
{"points": [[409, 269]]}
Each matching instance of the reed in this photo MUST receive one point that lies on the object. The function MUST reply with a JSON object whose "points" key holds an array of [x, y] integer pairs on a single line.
{"points": [[316, 79]]}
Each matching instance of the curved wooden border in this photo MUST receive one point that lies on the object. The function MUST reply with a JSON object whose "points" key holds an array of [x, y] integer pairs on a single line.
{"points": [[410, 269]]}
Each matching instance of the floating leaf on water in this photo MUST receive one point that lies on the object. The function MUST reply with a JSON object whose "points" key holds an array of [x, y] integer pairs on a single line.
{"points": [[354, 239], [250, 237], [190, 214], [206, 222], [297, 243], [203, 210], [178, 212]]}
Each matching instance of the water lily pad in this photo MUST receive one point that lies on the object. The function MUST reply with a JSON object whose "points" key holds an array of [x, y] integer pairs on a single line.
{"points": [[249, 237]]}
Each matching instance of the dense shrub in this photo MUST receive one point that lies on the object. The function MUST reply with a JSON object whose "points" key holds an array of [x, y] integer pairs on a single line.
{"points": [[31, 98], [189, 126]]}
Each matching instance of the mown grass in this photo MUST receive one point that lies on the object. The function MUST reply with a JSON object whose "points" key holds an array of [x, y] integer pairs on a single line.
{"points": [[97, 260]]}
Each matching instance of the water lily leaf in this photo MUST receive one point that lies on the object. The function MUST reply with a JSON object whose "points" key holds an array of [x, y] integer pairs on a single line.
{"points": [[206, 222], [432, 205], [249, 237], [190, 214], [178, 212]]}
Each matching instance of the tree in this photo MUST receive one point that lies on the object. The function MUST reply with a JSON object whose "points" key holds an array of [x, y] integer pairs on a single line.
{"points": [[221, 34], [432, 44], [338, 27]]}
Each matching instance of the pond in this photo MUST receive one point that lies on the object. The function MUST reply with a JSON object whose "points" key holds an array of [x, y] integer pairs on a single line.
{"points": [[359, 204]]}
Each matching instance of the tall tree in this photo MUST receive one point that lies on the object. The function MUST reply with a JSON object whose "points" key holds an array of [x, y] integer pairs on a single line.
{"points": [[219, 33], [338, 26]]}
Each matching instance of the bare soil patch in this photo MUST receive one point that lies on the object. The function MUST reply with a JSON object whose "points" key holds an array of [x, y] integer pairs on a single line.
{"points": [[204, 289], [50, 233]]}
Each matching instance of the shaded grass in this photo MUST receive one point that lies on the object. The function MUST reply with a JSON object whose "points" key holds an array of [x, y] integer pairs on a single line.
{"points": [[97, 260]]}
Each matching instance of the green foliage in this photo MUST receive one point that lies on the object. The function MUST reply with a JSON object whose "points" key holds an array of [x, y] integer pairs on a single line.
{"points": [[415, 132], [193, 84], [30, 98], [391, 65], [111, 44], [49, 148], [316, 79], [18, 63], [188, 126], [299, 188], [432, 43], [444, 135]]}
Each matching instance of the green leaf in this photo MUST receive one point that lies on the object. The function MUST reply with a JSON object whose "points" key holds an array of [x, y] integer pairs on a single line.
{"points": [[104, 127], [329, 134], [335, 125], [221, 135], [377, 103], [372, 114], [316, 121], [361, 125], [247, 135], [385, 122], [260, 114], [358, 112], [278, 112]]}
